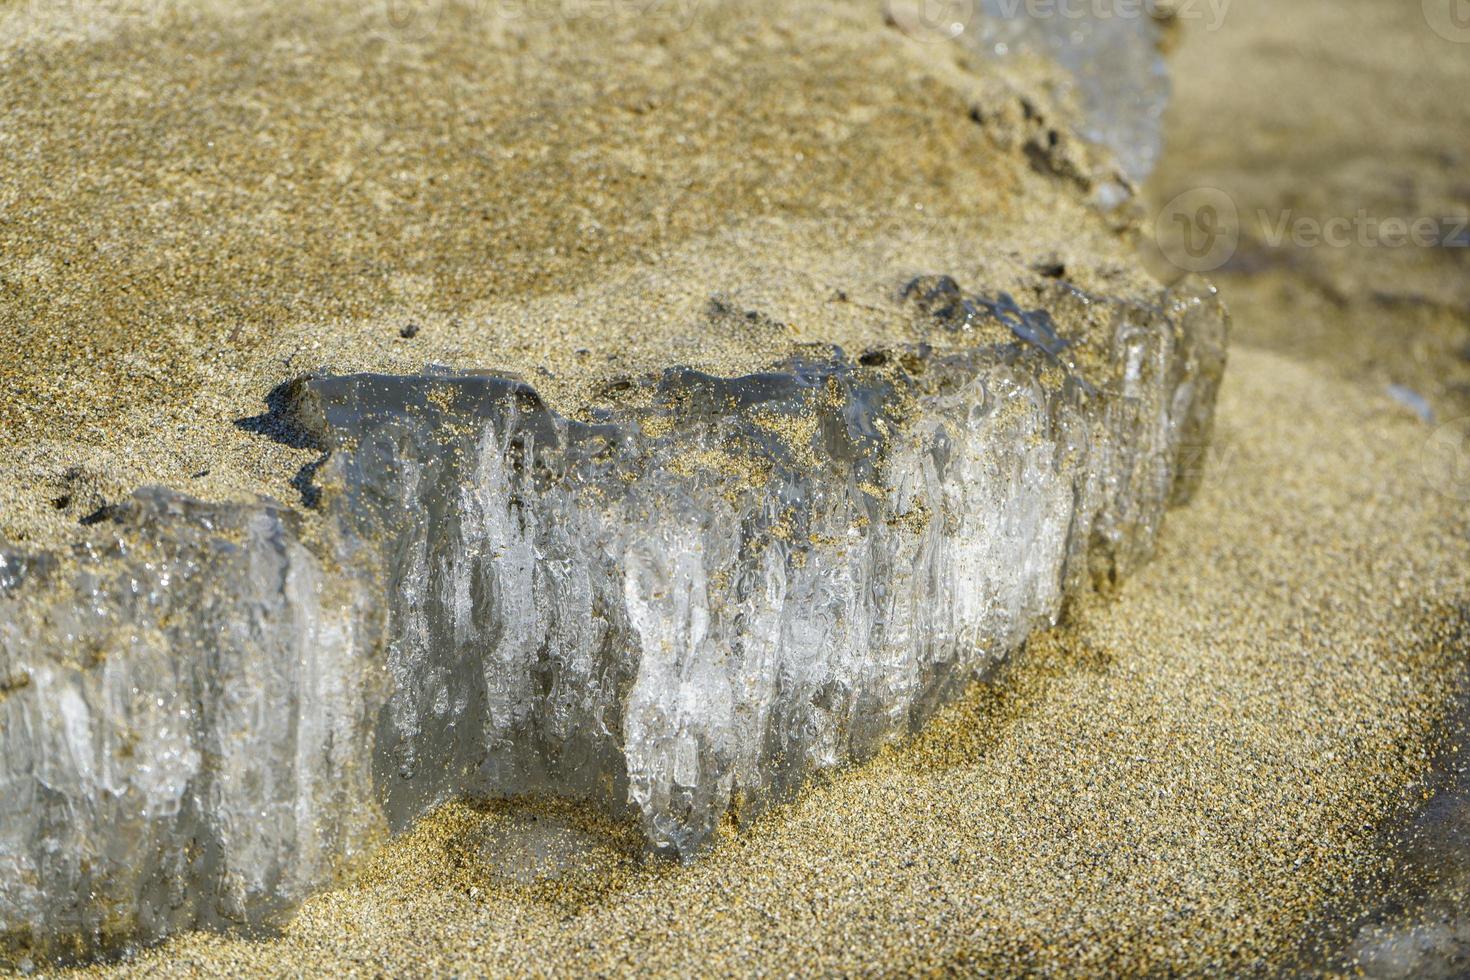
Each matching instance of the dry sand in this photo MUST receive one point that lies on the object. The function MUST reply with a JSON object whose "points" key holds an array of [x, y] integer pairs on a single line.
{"points": [[1191, 775], [203, 200]]}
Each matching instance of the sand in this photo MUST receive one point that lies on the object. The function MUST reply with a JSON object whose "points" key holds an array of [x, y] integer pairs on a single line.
{"points": [[1192, 774], [1338, 110], [205, 199]]}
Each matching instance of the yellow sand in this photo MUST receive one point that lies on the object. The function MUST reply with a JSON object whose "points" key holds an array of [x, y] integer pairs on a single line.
{"points": [[204, 198], [1181, 779]]}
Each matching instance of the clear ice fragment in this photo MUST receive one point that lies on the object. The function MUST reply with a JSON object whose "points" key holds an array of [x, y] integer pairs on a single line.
{"points": [[687, 603]]}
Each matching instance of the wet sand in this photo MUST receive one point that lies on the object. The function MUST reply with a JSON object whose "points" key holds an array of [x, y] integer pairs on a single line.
{"points": [[1411, 919]]}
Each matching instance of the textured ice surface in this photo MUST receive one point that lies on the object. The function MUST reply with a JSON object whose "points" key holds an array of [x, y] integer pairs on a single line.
{"points": [[1111, 50], [183, 708], [690, 603]]}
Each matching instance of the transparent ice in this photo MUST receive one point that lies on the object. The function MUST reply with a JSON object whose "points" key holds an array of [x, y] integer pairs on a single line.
{"points": [[685, 604]]}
